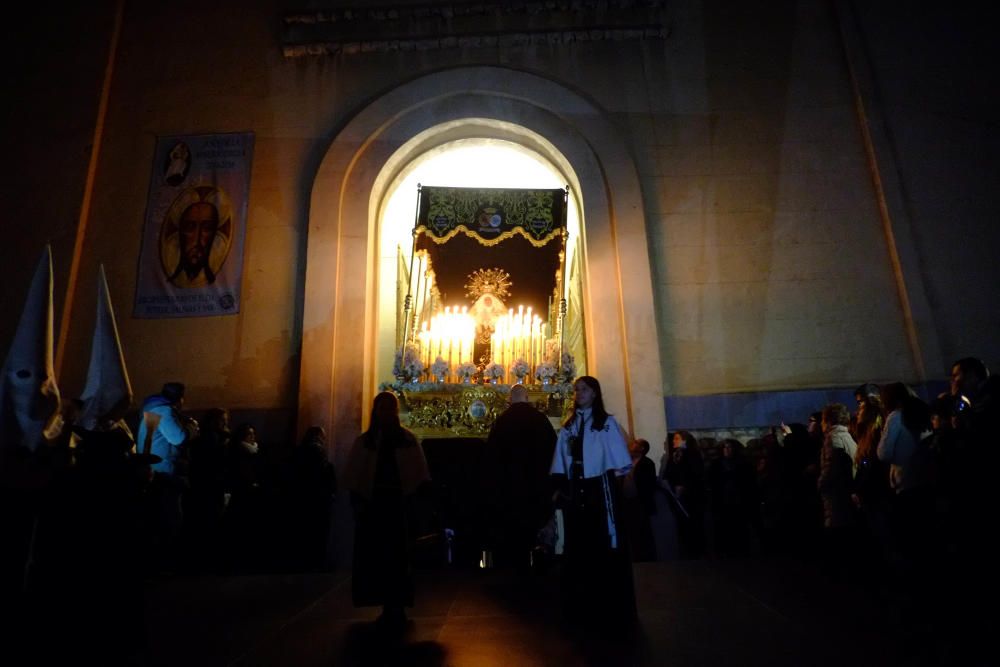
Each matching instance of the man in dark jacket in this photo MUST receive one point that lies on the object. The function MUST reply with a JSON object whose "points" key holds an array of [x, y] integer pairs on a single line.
{"points": [[519, 453]]}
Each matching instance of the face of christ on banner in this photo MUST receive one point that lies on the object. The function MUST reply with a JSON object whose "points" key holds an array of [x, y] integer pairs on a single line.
{"points": [[195, 237]]}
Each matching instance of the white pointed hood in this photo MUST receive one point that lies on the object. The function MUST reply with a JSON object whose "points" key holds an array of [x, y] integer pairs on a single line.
{"points": [[29, 397], [108, 392]]}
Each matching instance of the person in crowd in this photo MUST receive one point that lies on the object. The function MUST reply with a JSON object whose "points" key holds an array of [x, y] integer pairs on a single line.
{"points": [[951, 458], [802, 509], [976, 438], [910, 474], [310, 490], [769, 488], [870, 490], [590, 458], [834, 485], [814, 426], [205, 500], [518, 454], [971, 380], [245, 506], [976, 406], [907, 423], [163, 430], [905, 447], [684, 475], [732, 492], [640, 501], [862, 394], [385, 467]]}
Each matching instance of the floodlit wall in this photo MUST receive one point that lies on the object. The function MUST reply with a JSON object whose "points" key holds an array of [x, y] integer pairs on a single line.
{"points": [[771, 271]]}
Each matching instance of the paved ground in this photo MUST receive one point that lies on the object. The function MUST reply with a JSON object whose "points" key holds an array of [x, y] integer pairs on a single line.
{"points": [[691, 613]]}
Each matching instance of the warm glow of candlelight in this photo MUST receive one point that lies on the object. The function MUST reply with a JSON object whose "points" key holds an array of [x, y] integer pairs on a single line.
{"points": [[450, 335], [518, 336]]}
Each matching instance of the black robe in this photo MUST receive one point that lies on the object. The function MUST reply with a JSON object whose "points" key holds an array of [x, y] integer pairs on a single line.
{"points": [[598, 591], [519, 452], [381, 479]]}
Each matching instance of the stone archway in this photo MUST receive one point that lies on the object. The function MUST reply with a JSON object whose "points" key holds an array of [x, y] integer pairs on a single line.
{"points": [[338, 340]]}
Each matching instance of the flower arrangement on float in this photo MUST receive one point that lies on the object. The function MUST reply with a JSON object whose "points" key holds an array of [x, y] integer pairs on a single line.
{"points": [[520, 369], [568, 373], [407, 366], [465, 371], [439, 369], [493, 372], [545, 372]]}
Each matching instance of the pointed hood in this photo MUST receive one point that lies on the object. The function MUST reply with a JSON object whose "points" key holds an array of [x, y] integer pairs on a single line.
{"points": [[29, 397], [108, 392]]}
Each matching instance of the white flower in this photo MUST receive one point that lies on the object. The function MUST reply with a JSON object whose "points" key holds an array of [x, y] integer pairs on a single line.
{"points": [[466, 370], [520, 368], [407, 364], [545, 371], [439, 367], [493, 371], [568, 366]]}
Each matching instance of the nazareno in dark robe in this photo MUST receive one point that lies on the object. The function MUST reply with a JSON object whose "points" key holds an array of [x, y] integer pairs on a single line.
{"points": [[519, 453], [382, 473]]}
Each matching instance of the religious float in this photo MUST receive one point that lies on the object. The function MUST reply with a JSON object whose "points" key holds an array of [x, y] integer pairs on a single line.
{"points": [[485, 308]]}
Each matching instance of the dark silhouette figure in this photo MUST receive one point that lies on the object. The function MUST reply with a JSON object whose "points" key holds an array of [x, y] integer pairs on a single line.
{"points": [[310, 489], [733, 492], [640, 502], [385, 468], [519, 453]]}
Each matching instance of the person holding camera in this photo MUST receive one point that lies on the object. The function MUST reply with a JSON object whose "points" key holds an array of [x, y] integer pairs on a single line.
{"points": [[164, 429], [590, 460], [162, 432]]}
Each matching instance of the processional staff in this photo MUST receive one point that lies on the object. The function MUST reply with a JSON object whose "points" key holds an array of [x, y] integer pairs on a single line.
{"points": [[562, 282], [407, 302]]}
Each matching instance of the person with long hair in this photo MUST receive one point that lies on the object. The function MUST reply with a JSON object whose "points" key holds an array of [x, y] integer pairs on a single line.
{"points": [[915, 580], [385, 467], [870, 492], [590, 459], [683, 471], [834, 485], [907, 422]]}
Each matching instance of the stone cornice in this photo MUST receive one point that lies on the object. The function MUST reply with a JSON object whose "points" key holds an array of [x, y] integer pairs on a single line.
{"points": [[359, 30]]}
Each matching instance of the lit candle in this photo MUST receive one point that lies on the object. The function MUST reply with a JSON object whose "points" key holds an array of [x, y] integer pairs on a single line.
{"points": [[424, 342]]}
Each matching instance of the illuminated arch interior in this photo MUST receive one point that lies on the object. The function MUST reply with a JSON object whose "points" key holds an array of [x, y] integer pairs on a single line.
{"points": [[468, 162]]}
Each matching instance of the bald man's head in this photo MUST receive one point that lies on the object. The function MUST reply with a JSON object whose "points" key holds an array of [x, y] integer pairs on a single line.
{"points": [[518, 394]]}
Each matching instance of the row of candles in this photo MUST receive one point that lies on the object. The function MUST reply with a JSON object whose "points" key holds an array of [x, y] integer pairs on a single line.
{"points": [[518, 336], [451, 335]]}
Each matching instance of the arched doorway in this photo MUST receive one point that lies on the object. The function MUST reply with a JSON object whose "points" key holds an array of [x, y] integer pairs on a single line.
{"points": [[339, 339], [475, 162]]}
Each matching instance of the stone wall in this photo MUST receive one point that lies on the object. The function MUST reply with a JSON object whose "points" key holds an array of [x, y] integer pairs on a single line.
{"points": [[770, 264]]}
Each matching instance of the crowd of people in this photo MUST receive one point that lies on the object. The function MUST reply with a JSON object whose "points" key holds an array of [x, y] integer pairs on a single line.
{"points": [[894, 497], [184, 495], [881, 480], [895, 493], [93, 515]]}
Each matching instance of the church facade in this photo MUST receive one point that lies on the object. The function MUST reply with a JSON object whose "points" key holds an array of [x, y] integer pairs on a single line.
{"points": [[778, 202]]}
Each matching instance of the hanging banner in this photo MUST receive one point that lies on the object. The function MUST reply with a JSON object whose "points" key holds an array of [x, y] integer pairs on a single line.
{"points": [[192, 246], [490, 215]]}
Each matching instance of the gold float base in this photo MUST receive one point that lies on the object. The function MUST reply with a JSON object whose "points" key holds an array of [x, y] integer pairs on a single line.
{"points": [[444, 410]]}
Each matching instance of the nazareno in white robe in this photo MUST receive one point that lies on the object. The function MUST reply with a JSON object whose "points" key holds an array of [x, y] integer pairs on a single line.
{"points": [[605, 450]]}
